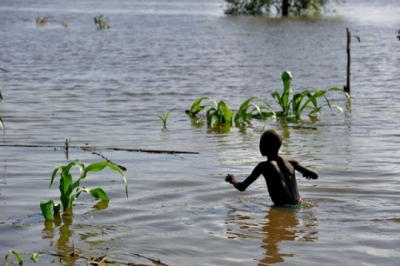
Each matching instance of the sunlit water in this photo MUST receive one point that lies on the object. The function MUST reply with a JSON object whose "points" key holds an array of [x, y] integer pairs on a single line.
{"points": [[105, 89]]}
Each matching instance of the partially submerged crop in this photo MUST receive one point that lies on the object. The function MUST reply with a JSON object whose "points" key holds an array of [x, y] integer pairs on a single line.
{"points": [[291, 106], [164, 118], [220, 114], [42, 21], [197, 107], [70, 191], [248, 110], [16, 255], [100, 23]]}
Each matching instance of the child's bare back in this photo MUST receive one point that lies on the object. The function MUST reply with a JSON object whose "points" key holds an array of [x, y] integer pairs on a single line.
{"points": [[279, 172]]}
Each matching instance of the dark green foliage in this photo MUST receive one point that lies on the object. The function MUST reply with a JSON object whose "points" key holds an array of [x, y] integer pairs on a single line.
{"points": [[282, 7], [100, 23]]}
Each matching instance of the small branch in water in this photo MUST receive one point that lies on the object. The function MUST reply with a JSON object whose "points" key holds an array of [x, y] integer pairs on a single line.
{"points": [[103, 259], [88, 148], [346, 87], [157, 262], [104, 157]]}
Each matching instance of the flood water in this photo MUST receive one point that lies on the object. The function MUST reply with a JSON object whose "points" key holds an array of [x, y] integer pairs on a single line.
{"points": [[105, 89]]}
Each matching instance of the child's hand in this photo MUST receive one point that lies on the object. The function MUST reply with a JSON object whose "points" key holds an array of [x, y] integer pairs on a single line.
{"points": [[310, 175], [229, 178]]}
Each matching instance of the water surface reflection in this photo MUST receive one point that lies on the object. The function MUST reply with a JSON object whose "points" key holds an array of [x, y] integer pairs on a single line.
{"points": [[278, 225]]}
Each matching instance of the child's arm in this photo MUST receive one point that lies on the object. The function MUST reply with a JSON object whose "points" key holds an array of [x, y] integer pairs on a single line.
{"points": [[241, 186], [307, 173]]}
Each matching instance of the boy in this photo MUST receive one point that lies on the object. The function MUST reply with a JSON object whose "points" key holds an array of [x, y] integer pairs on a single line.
{"points": [[279, 172]]}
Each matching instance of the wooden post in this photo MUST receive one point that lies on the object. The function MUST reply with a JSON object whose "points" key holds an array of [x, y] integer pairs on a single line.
{"points": [[346, 87]]}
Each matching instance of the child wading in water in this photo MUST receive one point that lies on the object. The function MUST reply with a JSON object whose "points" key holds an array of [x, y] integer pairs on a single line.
{"points": [[279, 172]]}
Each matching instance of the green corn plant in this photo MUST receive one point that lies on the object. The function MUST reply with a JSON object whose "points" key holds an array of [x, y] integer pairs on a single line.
{"points": [[283, 99], [249, 110], [197, 107], [220, 114], [302, 101], [99, 22], [16, 255], [293, 108], [164, 118], [70, 191]]}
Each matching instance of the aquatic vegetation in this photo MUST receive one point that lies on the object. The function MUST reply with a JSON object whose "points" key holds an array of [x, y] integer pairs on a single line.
{"points": [[197, 107], [35, 257], [70, 191], [100, 23], [220, 114], [16, 255], [257, 111], [164, 118], [42, 21], [293, 108]]}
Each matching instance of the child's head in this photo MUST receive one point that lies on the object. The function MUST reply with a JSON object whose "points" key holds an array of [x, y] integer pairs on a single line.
{"points": [[270, 143]]}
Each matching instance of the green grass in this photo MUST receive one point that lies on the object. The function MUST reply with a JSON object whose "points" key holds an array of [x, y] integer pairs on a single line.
{"points": [[70, 191]]}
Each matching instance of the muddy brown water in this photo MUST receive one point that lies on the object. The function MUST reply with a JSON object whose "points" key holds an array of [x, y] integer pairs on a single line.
{"points": [[105, 89]]}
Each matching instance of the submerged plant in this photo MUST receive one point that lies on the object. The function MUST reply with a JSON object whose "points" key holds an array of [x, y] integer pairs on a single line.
{"points": [[221, 114], [197, 107], [42, 21], [16, 255], [100, 23], [218, 114], [249, 110], [293, 108], [164, 118], [70, 191]]}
